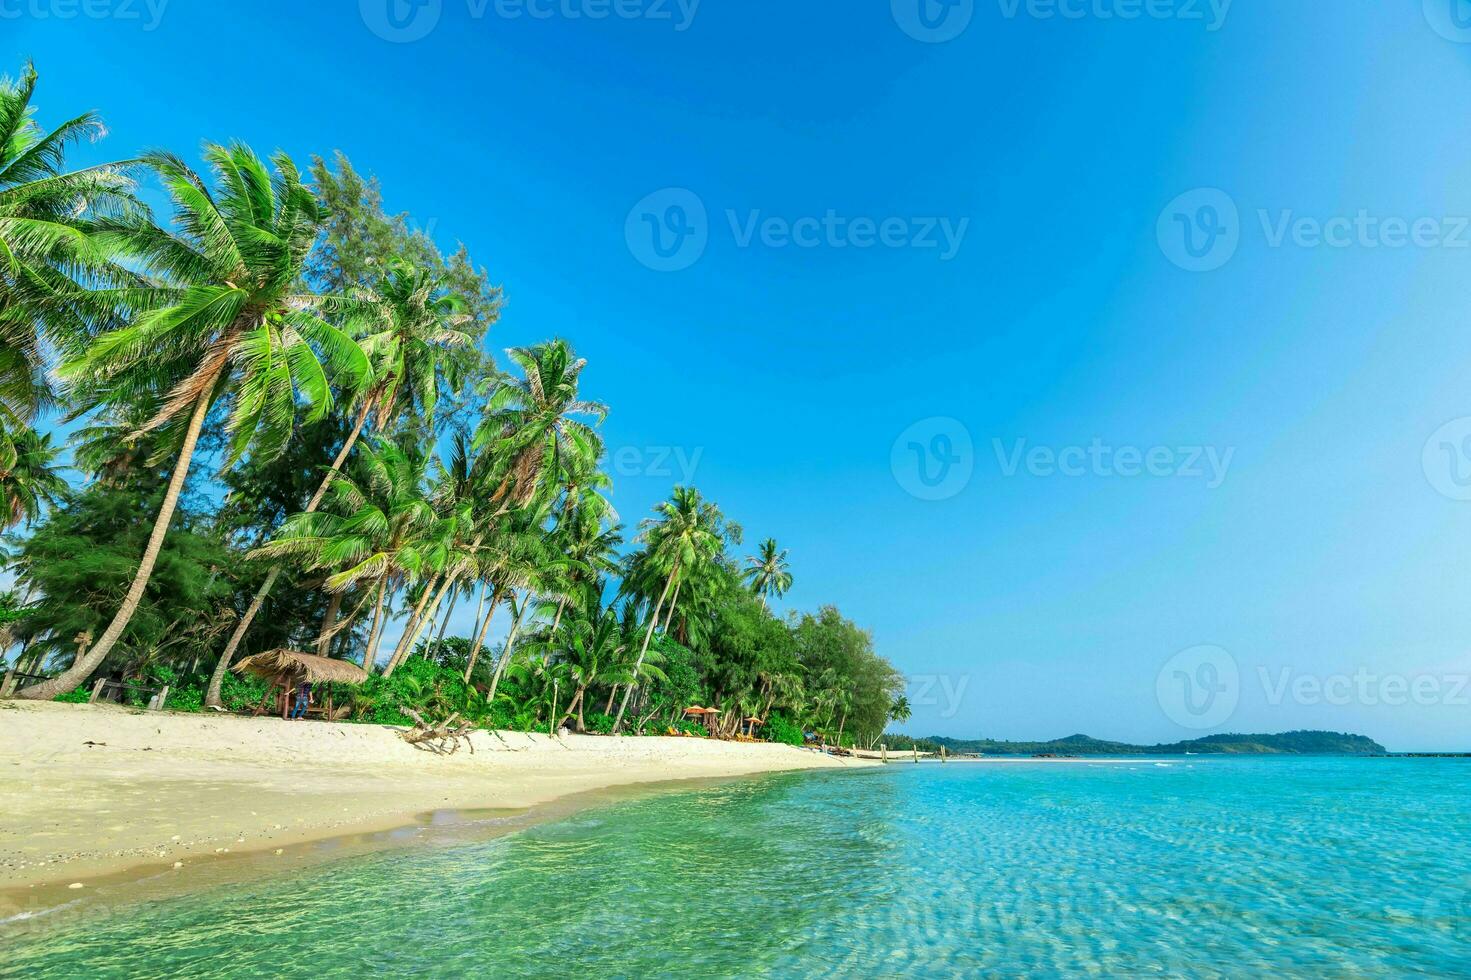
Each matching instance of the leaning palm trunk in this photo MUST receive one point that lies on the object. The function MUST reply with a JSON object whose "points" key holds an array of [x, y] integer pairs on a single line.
{"points": [[411, 636], [83, 666], [495, 600], [575, 708], [648, 635], [500, 665], [329, 621], [213, 697], [370, 654], [454, 599]]}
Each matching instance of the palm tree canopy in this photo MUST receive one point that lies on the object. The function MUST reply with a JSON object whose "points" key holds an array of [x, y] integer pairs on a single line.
{"points": [[767, 572], [220, 311], [30, 477], [531, 427], [47, 249], [413, 346]]}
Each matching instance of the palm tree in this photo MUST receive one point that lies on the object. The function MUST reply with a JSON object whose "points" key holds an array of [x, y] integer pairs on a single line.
{"points": [[589, 642], [29, 475], [417, 320], [531, 426], [47, 246], [377, 530], [767, 572], [899, 711], [219, 320], [687, 535]]}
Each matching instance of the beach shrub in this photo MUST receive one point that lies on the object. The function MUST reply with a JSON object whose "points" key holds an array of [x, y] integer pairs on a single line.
{"points": [[418, 684], [598, 723], [189, 698], [780, 728], [241, 693], [80, 696]]}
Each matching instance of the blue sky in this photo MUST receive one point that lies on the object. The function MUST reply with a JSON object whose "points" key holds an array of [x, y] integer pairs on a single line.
{"points": [[1309, 336]]}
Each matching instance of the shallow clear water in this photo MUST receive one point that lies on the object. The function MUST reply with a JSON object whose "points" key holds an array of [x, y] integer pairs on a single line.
{"points": [[1298, 867]]}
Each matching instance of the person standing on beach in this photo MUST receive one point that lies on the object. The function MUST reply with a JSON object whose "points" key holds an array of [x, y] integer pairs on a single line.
{"points": [[303, 700]]}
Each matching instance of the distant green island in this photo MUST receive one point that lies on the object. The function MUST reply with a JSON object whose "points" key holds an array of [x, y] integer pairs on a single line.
{"points": [[1286, 743]]}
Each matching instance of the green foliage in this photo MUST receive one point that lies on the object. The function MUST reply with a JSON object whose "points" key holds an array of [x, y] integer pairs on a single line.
{"points": [[780, 728], [80, 560], [422, 685], [79, 696], [242, 693], [299, 317], [599, 723]]}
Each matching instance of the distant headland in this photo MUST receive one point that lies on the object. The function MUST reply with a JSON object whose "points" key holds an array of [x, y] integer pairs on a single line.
{"points": [[1285, 743]]}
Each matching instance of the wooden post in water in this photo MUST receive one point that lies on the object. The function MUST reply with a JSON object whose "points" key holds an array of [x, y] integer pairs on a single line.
{"points": [[916, 754], [942, 753], [884, 751]]}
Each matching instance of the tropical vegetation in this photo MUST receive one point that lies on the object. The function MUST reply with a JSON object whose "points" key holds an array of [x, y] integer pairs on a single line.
{"points": [[267, 415]]}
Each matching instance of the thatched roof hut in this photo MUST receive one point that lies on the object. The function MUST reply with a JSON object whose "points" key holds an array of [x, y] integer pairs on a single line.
{"points": [[287, 668]]}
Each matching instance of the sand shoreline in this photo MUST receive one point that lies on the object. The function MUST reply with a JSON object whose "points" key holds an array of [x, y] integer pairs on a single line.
{"points": [[96, 792]]}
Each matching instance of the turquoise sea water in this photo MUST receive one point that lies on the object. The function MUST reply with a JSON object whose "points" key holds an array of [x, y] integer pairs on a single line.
{"points": [[1195, 867]]}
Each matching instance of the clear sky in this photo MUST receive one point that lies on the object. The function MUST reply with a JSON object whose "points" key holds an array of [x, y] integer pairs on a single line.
{"points": [[1097, 427]]}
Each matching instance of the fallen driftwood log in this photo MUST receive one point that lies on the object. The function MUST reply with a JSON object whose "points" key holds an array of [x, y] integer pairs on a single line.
{"points": [[441, 738]]}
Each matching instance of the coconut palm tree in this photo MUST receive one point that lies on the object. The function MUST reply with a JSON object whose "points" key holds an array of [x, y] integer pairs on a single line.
{"points": [[531, 427], [377, 530], [685, 537], [589, 641], [766, 573], [414, 332], [30, 477], [900, 711], [47, 249], [219, 320]]}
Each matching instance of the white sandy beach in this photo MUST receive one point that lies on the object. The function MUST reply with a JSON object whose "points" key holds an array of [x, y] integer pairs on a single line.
{"points": [[152, 789]]}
